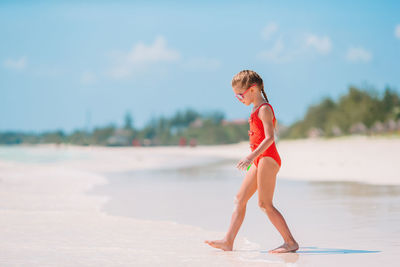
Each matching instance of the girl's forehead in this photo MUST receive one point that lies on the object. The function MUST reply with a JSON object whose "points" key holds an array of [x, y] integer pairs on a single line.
{"points": [[237, 88]]}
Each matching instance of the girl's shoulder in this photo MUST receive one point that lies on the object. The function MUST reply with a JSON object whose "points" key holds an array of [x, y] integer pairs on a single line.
{"points": [[258, 108], [264, 106], [269, 109]]}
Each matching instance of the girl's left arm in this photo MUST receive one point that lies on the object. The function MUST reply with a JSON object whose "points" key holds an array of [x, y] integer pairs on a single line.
{"points": [[266, 116]]}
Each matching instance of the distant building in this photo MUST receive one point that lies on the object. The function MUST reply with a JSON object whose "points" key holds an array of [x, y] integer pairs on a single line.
{"points": [[235, 122], [336, 131], [391, 125], [358, 128], [121, 137], [147, 142], [197, 123], [315, 133], [378, 127], [156, 141]]}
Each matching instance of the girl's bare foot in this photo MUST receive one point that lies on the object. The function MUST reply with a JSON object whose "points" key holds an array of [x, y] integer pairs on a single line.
{"points": [[221, 244], [286, 247]]}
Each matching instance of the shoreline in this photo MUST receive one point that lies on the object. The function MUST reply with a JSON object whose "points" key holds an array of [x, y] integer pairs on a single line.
{"points": [[49, 216], [361, 159]]}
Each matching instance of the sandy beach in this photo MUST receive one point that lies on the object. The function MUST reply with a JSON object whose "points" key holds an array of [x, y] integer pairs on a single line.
{"points": [[372, 160], [51, 214]]}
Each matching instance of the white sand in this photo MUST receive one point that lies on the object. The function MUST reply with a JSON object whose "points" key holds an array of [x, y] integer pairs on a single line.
{"points": [[359, 159], [354, 159], [48, 220]]}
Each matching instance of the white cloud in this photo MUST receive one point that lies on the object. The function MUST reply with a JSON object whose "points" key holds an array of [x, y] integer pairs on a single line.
{"points": [[280, 52], [153, 53], [208, 64], [18, 64], [358, 54], [269, 30], [322, 44], [287, 50], [88, 77], [397, 31], [141, 56], [276, 53]]}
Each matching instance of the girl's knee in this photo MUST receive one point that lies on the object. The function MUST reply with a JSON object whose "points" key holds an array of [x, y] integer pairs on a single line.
{"points": [[266, 207]]}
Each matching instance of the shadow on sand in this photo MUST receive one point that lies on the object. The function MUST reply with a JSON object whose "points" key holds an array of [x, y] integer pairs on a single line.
{"points": [[319, 251], [293, 257]]}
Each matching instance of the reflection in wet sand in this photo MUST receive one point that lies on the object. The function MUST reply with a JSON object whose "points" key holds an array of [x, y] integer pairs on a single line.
{"points": [[328, 218]]}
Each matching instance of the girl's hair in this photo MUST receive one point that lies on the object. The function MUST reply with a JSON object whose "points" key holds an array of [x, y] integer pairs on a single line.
{"points": [[247, 77]]}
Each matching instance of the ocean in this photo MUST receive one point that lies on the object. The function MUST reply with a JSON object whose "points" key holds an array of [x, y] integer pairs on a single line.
{"points": [[58, 207]]}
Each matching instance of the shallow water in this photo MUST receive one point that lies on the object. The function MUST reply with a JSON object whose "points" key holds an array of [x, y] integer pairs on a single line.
{"points": [[35, 154], [326, 218], [46, 212]]}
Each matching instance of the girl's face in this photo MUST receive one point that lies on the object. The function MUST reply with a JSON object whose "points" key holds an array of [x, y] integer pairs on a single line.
{"points": [[247, 93]]}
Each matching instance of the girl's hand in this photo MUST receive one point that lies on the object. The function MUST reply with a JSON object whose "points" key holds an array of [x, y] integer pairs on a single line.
{"points": [[244, 163]]}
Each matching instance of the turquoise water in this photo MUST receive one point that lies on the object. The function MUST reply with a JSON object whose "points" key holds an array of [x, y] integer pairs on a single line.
{"points": [[33, 154], [326, 218], [335, 223]]}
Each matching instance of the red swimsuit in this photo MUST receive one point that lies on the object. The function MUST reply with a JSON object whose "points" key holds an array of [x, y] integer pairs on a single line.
{"points": [[257, 135]]}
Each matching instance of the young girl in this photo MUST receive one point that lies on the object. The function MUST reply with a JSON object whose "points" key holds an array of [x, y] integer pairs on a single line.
{"points": [[248, 86]]}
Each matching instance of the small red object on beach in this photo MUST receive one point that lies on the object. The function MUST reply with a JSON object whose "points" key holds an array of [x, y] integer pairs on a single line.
{"points": [[182, 141], [136, 142]]}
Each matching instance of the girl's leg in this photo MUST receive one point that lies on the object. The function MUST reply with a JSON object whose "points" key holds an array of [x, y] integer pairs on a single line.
{"points": [[266, 179], [247, 189]]}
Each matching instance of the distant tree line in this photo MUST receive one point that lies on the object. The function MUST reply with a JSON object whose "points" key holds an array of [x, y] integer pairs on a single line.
{"points": [[360, 111], [208, 128]]}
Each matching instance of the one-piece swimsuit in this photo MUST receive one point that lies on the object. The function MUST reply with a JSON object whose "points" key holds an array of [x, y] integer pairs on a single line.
{"points": [[257, 135]]}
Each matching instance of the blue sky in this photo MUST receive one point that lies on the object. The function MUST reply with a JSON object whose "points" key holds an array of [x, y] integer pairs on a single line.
{"points": [[69, 64]]}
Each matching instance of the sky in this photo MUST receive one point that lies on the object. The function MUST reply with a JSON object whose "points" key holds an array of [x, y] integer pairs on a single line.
{"points": [[70, 65]]}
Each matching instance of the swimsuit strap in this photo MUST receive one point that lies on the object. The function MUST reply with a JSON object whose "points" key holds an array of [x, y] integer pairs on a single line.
{"points": [[267, 104], [273, 113], [272, 110], [259, 107]]}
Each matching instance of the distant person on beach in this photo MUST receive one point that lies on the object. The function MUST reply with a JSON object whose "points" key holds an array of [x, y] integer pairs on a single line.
{"points": [[248, 87]]}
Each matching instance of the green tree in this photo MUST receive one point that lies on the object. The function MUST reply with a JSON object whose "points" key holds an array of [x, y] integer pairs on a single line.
{"points": [[128, 121], [100, 135]]}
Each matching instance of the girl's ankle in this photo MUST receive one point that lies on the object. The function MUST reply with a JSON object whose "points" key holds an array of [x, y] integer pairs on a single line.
{"points": [[228, 240]]}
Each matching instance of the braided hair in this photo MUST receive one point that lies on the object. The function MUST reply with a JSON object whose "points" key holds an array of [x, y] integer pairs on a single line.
{"points": [[247, 77]]}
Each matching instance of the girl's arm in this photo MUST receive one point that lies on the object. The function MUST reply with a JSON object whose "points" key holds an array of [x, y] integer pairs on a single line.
{"points": [[266, 116]]}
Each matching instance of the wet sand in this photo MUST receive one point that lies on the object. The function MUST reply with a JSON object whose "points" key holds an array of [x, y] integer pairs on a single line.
{"points": [[327, 218], [96, 206]]}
